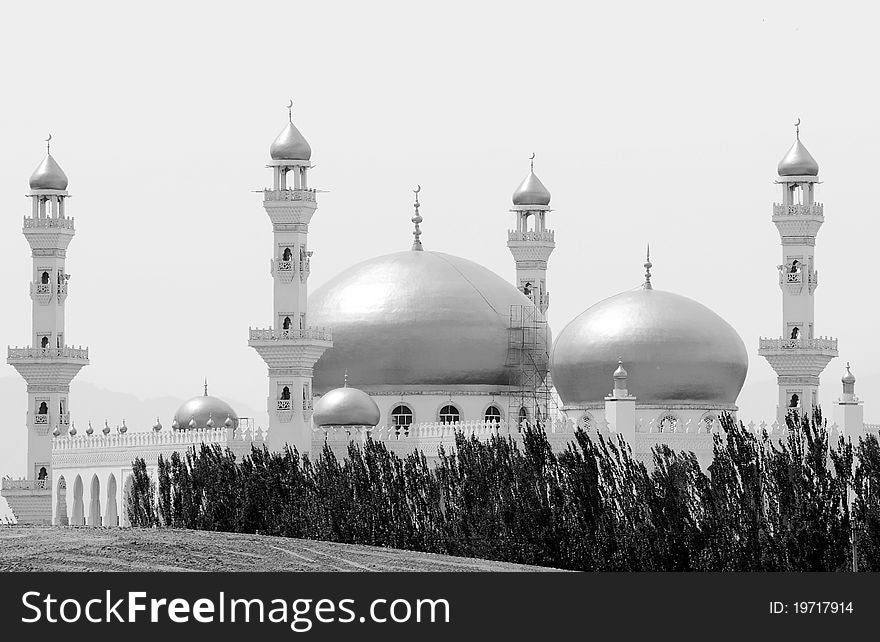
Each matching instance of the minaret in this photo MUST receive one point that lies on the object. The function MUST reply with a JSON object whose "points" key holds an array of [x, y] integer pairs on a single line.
{"points": [[620, 406], [849, 413], [49, 364], [531, 243], [290, 347], [799, 355]]}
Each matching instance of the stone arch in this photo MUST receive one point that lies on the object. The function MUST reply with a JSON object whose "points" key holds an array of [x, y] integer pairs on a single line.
{"points": [[585, 421], [126, 494], [492, 413], [668, 422], [401, 415], [111, 516], [449, 413], [61, 516], [95, 501], [78, 517], [708, 423]]}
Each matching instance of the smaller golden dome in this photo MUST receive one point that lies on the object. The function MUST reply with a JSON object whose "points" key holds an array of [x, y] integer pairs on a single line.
{"points": [[48, 175], [531, 192], [798, 162], [290, 145], [346, 407]]}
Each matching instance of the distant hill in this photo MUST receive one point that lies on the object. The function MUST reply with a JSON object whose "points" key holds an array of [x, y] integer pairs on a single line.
{"points": [[46, 548]]}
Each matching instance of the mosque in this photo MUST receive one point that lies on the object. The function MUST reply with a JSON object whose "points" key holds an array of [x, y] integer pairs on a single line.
{"points": [[647, 364]]}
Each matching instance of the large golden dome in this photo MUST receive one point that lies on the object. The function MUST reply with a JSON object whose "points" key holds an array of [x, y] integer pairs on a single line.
{"points": [[196, 413], [676, 351], [415, 319]]}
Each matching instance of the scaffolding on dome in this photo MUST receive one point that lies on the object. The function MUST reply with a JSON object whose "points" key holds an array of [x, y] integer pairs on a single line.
{"points": [[528, 363]]}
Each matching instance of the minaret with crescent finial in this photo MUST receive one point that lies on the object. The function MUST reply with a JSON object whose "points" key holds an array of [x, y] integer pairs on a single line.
{"points": [[800, 354], [532, 242], [49, 363], [290, 346]]}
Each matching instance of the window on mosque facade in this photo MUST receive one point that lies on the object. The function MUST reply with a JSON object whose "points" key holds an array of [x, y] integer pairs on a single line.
{"points": [[285, 392], [523, 416], [286, 324], [449, 414], [793, 403], [287, 254], [44, 278], [493, 415], [44, 409], [44, 342], [401, 416], [795, 332]]}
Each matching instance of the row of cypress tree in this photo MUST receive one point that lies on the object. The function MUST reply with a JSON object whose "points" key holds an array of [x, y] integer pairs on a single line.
{"points": [[799, 504]]}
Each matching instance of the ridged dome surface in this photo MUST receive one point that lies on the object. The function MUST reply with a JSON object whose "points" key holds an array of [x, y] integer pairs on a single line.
{"points": [[531, 192], [676, 351], [202, 408], [290, 145], [415, 318], [48, 175], [798, 162], [346, 407]]}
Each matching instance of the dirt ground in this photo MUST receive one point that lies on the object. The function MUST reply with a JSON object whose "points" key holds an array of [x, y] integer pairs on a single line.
{"points": [[53, 548]]}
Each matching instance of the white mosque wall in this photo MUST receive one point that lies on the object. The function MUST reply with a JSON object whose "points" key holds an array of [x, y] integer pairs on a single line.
{"points": [[426, 406]]}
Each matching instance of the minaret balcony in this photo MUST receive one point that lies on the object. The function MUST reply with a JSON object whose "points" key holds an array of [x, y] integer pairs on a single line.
{"points": [[41, 293], [304, 195], [824, 345], [271, 334], [815, 210], [41, 420], [29, 354], [546, 236], [63, 222], [283, 405]]}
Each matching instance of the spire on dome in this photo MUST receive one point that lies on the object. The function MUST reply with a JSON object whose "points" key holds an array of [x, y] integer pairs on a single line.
{"points": [[531, 191], [290, 144], [849, 377], [48, 174], [345, 379], [798, 161], [206, 386], [416, 219], [648, 265]]}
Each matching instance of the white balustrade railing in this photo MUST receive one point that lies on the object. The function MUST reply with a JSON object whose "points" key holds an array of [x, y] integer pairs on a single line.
{"points": [[63, 222], [271, 334], [41, 288], [48, 353], [283, 266], [185, 438], [793, 277], [821, 343], [307, 404], [546, 235], [304, 195], [816, 209], [41, 420], [283, 404]]}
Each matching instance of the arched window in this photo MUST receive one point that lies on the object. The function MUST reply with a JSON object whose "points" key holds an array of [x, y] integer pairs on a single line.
{"points": [[523, 416], [707, 424], [585, 421], [401, 416], [43, 473], [45, 278], [286, 323], [667, 423], [794, 401], [287, 254], [795, 266], [449, 414], [44, 342], [492, 415], [285, 392], [795, 332], [44, 409], [527, 288]]}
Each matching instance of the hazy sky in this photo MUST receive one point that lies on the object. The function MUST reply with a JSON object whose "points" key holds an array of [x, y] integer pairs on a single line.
{"points": [[658, 122]]}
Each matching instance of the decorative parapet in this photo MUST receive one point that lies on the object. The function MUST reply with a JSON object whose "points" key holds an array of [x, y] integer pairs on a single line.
{"points": [[17, 353], [26, 484], [821, 343], [221, 436], [546, 235], [816, 209], [271, 334], [304, 195], [64, 223]]}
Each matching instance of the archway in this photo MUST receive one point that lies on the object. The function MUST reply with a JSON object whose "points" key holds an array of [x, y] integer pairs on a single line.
{"points": [[44, 342], [95, 502], [77, 517], [61, 518], [126, 494], [112, 516], [793, 403]]}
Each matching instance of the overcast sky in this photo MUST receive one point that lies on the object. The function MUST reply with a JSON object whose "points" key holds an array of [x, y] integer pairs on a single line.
{"points": [[658, 122]]}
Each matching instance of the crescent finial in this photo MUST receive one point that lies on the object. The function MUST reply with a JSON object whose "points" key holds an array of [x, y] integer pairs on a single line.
{"points": [[417, 189], [48, 140], [290, 109], [532, 161], [797, 127]]}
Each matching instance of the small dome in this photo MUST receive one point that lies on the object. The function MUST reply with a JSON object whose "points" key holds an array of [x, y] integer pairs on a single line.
{"points": [[849, 377], [798, 162], [676, 349], [346, 407], [48, 175], [197, 412], [290, 145], [531, 192], [620, 373]]}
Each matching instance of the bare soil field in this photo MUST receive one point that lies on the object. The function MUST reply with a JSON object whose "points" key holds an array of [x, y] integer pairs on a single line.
{"points": [[55, 548]]}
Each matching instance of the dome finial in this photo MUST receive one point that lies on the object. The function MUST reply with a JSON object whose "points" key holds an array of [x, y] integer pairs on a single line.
{"points": [[532, 162], [290, 110], [797, 128], [648, 266], [206, 386], [417, 232], [48, 141], [345, 379]]}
